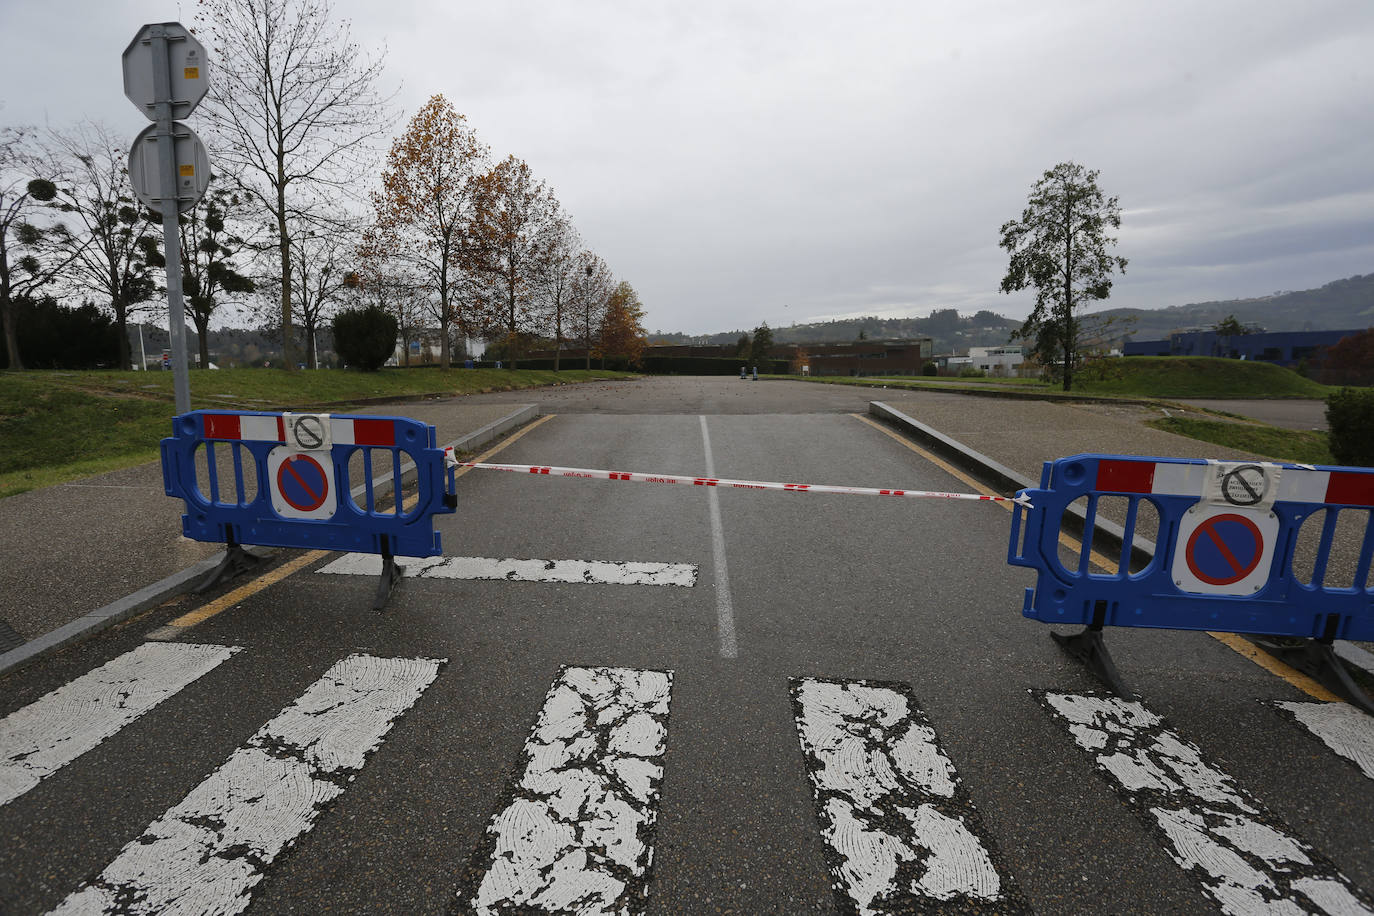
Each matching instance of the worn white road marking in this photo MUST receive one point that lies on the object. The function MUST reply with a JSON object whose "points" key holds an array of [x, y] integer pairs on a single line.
{"points": [[51, 732], [1243, 857], [207, 853], [577, 833], [901, 831], [725, 610], [604, 572], [1343, 728]]}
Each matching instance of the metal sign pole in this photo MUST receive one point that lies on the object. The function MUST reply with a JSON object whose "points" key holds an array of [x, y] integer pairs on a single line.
{"points": [[171, 231]]}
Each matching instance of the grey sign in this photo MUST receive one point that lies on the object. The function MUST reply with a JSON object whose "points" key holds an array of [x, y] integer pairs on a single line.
{"points": [[186, 64], [192, 168]]}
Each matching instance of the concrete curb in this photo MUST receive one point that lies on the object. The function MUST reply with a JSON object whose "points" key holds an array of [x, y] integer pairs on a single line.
{"points": [[1010, 394], [1004, 479], [109, 615], [181, 582]]}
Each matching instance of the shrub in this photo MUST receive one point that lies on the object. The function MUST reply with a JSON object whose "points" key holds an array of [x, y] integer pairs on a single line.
{"points": [[970, 372], [930, 369], [52, 336], [365, 338], [1350, 414]]}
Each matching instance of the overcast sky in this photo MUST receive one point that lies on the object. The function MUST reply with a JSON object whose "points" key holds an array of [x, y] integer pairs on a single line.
{"points": [[742, 161]]}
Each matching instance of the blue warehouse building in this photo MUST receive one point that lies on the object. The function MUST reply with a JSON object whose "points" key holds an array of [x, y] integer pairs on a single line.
{"points": [[1285, 348]]}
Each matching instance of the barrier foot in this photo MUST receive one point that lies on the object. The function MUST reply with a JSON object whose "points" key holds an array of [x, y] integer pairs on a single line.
{"points": [[236, 561], [1090, 649], [1318, 660], [391, 574]]}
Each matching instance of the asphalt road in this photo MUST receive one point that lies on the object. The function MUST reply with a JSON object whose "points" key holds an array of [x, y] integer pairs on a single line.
{"points": [[709, 801], [1297, 413]]}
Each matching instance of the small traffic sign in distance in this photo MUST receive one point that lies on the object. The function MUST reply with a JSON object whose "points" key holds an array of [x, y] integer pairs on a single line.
{"points": [[1224, 549], [187, 70]]}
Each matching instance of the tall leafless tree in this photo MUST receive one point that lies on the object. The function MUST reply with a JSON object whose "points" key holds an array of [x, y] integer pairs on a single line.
{"points": [[112, 241], [591, 294], [555, 274], [320, 280], [24, 185], [294, 109]]}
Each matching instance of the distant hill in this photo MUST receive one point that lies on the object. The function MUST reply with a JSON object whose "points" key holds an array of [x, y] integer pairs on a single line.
{"points": [[1338, 305], [949, 331]]}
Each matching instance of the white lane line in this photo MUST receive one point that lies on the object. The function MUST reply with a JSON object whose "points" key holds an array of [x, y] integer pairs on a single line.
{"points": [[901, 830], [1341, 727], [1243, 857], [207, 853], [725, 611], [51, 732], [603, 572], [577, 833]]}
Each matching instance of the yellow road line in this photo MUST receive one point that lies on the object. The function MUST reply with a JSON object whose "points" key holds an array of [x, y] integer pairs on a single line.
{"points": [[271, 577], [1233, 641]]}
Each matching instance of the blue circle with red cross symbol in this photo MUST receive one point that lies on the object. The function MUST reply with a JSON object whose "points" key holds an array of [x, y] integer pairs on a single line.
{"points": [[1224, 549], [302, 482]]}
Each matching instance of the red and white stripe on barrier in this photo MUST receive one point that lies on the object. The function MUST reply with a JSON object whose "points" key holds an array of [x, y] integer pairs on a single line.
{"points": [[1302, 485], [724, 482], [270, 428]]}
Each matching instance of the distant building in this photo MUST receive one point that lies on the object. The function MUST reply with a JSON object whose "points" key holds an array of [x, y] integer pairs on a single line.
{"points": [[862, 357], [1283, 348]]}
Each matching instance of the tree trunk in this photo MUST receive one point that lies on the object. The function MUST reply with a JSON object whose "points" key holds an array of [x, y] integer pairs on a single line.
{"points": [[1068, 335], [122, 322], [557, 334], [202, 323], [11, 335], [311, 355], [288, 343]]}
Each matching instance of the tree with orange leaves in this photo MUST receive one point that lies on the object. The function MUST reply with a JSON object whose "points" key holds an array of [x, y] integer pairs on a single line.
{"points": [[429, 211], [622, 333]]}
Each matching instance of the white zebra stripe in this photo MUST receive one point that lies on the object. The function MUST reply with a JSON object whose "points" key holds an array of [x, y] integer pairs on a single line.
{"points": [[1241, 855], [207, 853], [902, 832], [51, 732], [585, 571], [1341, 727], [576, 836]]}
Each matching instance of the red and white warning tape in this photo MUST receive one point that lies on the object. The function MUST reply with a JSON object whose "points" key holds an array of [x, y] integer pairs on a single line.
{"points": [[733, 484]]}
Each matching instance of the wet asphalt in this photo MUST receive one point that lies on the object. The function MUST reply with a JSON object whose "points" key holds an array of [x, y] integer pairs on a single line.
{"points": [[911, 591]]}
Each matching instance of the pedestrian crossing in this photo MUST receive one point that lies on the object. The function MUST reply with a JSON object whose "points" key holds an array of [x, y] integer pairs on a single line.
{"points": [[575, 828]]}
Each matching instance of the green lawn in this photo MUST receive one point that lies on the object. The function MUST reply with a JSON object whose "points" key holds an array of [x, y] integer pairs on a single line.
{"points": [[1194, 377], [1140, 377], [61, 426], [1299, 446]]}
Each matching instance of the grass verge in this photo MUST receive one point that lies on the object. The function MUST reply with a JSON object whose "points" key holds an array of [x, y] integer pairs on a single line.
{"points": [[1295, 445], [57, 427]]}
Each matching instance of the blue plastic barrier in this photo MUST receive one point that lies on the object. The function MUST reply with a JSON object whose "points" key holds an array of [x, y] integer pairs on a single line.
{"points": [[1224, 561], [300, 493]]}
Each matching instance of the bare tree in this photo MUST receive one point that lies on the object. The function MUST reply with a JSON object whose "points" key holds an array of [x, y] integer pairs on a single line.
{"points": [[320, 275], [555, 273], [294, 109], [516, 210], [591, 294], [428, 209], [24, 183], [209, 251], [110, 236]]}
